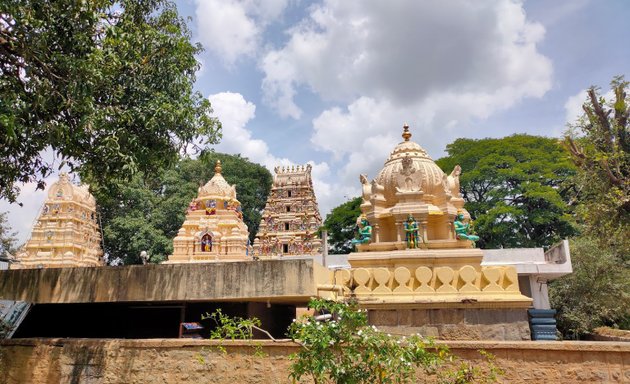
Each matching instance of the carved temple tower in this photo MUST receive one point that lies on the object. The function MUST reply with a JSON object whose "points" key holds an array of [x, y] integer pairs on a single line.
{"points": [[213, 229], [66, 233], [291, 217]]}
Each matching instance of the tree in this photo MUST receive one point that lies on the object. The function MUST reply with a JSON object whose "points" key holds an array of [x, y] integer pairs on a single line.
{"points": [[596, 293], [7, 237], [599, 143], [146, 213], [341, 224], [515, 189], [106, 85]]}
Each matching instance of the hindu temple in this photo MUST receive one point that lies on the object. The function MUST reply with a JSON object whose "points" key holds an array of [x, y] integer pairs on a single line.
{"points": [[415, 251], [213, 229], [66, 233], [291, 217]]}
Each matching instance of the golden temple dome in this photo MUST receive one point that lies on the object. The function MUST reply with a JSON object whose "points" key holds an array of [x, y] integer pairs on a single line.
{"points": [[217, 187], [64, 189], [409, 168]]}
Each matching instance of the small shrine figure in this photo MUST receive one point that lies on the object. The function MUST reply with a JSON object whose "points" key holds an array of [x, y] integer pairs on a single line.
{"points": [[462, 229], [365, 231], [206, 243], [411, 232]]}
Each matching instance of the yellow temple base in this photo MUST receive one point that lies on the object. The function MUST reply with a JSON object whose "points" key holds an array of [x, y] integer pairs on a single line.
{"points": [[430, 278]]}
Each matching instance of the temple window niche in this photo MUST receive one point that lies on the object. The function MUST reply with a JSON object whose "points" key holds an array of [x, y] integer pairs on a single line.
{"points": [[286, 226], [288, 193], [206, 243], [288, 208]]}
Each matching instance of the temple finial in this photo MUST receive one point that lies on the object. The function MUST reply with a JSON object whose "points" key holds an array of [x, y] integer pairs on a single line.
{"points": [[406, 134], [217, 167]]}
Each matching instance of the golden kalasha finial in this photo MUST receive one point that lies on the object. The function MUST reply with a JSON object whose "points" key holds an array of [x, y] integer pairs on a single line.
{"points": [[217, 167], [406, 134]]}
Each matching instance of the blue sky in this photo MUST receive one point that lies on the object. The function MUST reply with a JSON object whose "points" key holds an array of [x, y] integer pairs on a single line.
{"points": [[332, 82]]}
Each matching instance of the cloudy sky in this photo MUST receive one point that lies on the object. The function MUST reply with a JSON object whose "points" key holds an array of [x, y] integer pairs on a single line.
{"points": [[332, 82]]}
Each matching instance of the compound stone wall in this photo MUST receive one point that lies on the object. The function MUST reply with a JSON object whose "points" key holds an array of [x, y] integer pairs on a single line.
{"points": [[200, 361]]}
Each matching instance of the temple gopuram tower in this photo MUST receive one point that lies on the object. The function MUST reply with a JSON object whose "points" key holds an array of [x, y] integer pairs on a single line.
{"points": [[291, 217], [66, 233], [214, 229]]}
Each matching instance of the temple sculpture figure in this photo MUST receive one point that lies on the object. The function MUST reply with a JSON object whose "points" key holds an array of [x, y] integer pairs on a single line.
{"points": [[365, 231], [66, 233], [411, 232], [419, 252], [291, 217], [213, 229], [463, 229]]}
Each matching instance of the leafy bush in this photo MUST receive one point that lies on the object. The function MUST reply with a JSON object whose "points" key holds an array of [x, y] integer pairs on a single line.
{"points": [[339, 346]]}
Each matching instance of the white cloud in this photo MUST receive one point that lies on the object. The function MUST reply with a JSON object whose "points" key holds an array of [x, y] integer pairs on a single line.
{"points": [[407, 52], [573, 107], [434, 65], [232, 29], [235, 113]]}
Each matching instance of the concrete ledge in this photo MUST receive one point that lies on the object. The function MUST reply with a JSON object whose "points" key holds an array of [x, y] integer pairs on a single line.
{"points": [[274, 280]]}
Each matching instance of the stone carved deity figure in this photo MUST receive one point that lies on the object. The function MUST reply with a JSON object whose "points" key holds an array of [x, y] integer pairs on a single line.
{"points": [[365, 231], [409, 179], [453, 181], [366, 189], [462, 229], [206, 243], [411, 233]]}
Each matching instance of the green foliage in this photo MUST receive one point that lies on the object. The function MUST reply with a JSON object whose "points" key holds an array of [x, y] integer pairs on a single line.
{"points": [[599, 143], [515, 189], [341, 224], [231, 328], [596, 293], [146, 213], [107, 85], [344, 349], [7, 237]]}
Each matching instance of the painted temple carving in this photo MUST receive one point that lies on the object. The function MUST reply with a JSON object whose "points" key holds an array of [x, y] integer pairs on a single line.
{"points": [[291, 217], [66, 233], [415, 245], [213, 229], [412, 186]]}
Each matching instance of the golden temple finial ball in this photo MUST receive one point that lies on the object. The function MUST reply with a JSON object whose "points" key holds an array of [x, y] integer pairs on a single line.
{"points": [[217, 167], [406, 134]]}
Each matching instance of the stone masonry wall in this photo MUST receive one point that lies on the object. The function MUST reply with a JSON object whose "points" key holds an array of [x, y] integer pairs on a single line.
{"points": [[200, 361]]}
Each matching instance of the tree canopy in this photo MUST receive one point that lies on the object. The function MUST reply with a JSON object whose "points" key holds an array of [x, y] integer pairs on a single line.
{"points": [[515, 189], [106, 85], [599, 143], [146, 213], [341, 224], [598, 291]]}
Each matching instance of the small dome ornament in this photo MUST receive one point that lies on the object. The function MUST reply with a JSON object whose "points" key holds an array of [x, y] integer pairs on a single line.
{"points": [[406, 134], [217, 167]]}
